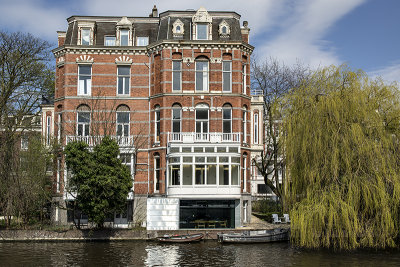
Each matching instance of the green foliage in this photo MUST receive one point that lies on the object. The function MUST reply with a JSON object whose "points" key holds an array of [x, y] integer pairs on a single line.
{"points": [[100, 180], [266, 216], [266, 205], [343, 166]]}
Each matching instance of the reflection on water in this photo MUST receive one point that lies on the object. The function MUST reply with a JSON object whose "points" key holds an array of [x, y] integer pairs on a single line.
{"points": [[210, 253]]}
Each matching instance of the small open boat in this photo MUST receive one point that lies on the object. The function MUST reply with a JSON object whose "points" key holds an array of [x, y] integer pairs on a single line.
{"points": [[261, 236], [181, 238]]}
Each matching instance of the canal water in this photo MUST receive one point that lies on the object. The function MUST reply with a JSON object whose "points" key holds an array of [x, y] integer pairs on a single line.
{"points": [[209, 253]]}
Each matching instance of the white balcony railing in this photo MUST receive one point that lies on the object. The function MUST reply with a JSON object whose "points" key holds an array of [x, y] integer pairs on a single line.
{"points": [[203, 137], [122, 141]]}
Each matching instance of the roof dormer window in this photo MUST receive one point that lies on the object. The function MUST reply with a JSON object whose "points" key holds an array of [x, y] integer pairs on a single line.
{"points": [[124, 37], [86, 32], [85, 35], [178, 29], [224, 30], [201, 31], [124, 32], [202, 25]]}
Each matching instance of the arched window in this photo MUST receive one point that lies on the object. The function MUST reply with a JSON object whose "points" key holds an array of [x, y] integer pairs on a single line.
{"points": [[202, 122], [202, 74], [83, 120], [227, 122], [123, 120]]}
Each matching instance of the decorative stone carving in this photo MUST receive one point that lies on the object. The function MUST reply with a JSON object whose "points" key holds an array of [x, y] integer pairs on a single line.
{"points": [[202, 16], [84, 59], [215, 60], [123, 60]]}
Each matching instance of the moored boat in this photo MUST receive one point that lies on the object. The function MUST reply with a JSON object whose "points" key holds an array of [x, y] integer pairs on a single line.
{"points": [[181, 238], [259, 236]]}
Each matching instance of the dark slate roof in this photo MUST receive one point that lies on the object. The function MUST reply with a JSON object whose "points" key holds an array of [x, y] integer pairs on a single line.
{"points": [[155, 31]]}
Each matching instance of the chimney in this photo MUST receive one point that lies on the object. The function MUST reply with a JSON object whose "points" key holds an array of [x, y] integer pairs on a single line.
{"points": [[154, 12], [245, 31], [61, 37]]}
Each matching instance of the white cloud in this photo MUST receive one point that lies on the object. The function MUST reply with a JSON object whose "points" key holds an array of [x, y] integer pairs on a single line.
{"points": [[32, 16], [389, 73], [289, 30], [302, 35]]}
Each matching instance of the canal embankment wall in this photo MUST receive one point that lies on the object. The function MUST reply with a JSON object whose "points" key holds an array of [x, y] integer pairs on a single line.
{"points": [[103, 234]]}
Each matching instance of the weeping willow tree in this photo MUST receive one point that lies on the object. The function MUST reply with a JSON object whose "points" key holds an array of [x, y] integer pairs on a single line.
{"points": [[343, 161]]}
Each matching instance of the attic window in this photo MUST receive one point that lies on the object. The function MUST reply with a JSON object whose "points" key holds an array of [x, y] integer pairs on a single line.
{"points": [[109, 40], [224, 29], [202, 25], [178, 28], [201, 32], [142, 41], [85, 34], [124, 34], [86, 31]]}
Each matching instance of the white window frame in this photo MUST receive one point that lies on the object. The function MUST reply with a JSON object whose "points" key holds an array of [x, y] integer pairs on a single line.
{"points": [[48, 129], [256, 128], [244, 80], [244, 126], [157, 125], [140, 39], [201, 134], [59, 170], [126, 78], [83, 124], [120, 36], [157, 170], [244, 173], [122, 124], [227, 135], [24, 142], [130, 164], [106, 41], [89, 31], [87, 82], [176, 73], [225, 72], [205, 76], [176, 108], [197, 31], [59, 126]]}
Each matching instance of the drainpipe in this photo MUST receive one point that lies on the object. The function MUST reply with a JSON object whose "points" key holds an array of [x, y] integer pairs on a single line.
{"points": [[148, 142]]}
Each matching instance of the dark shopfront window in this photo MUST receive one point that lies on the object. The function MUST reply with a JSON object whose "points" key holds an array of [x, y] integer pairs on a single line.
{"points": [[207, 214]]}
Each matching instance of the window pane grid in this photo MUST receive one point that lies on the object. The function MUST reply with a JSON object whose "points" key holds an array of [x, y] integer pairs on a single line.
{"points": [[123, 74]]}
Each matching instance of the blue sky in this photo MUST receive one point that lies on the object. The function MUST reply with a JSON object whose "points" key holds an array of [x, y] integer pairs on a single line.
{"points": [[362, 33]]}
